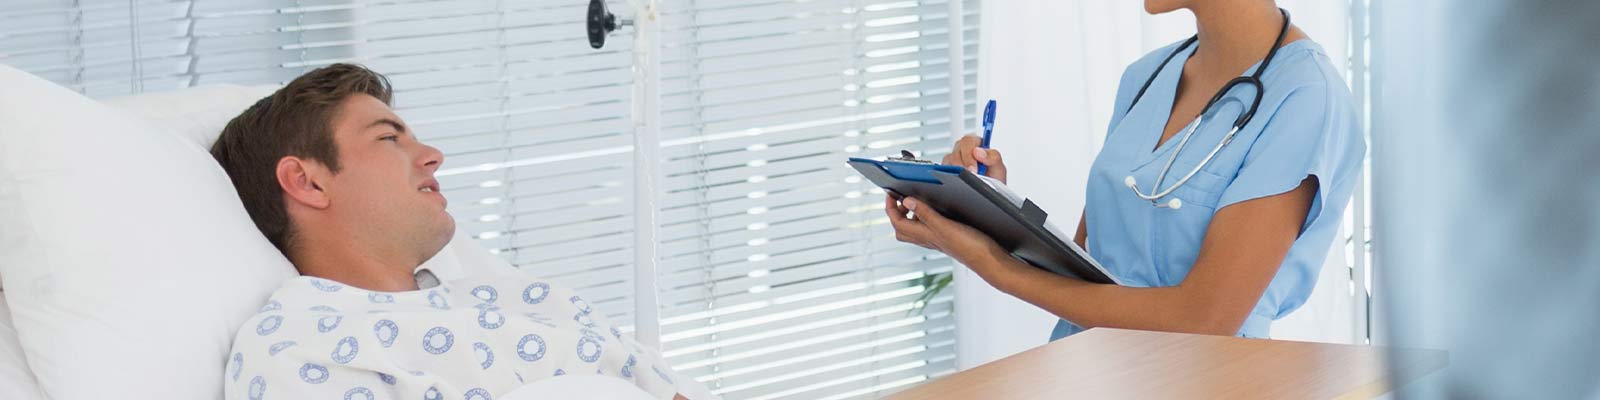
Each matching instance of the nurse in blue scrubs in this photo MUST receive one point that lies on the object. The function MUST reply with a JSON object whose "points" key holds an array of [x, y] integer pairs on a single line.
{"points": [[1237, 244]]}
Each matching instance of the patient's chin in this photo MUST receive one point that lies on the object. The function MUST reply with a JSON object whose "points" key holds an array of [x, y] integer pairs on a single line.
{"points": [[449, 226], [428, 236], [439, 236]]}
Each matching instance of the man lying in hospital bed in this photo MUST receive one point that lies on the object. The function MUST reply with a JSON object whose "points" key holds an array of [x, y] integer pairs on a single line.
{"points": [[337, 182]]}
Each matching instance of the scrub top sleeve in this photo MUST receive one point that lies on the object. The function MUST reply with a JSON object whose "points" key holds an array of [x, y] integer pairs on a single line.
{"points": [[1301, 140]]}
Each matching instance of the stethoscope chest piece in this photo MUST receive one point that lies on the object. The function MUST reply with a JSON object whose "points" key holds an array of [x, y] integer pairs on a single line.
{"points": [[1172, 202]]}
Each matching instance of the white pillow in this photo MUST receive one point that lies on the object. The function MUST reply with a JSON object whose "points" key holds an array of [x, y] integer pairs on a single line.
{"points": [[198, 114], [128, 259], [16, 381]]}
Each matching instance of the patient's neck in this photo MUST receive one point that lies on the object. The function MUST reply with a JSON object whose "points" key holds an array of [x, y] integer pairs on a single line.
{"points": [[347, 262]]}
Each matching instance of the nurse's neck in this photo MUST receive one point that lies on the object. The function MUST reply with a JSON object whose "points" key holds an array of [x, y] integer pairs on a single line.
{"points": [[1235, 34]]}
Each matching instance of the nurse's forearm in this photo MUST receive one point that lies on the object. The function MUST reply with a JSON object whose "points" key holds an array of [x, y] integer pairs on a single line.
{"points": [[1096, 305]]}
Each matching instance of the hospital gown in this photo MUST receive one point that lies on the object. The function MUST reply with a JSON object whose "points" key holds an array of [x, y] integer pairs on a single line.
{"points": [[470, 339]]}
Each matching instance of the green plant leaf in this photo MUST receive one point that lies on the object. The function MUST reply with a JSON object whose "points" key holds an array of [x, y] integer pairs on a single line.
{"points": [[932, 286]]}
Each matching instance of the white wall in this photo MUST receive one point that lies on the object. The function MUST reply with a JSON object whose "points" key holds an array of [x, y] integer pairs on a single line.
{"points": [[1054, 66]]}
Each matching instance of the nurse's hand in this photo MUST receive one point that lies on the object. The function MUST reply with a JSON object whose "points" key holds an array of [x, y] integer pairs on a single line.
{"points": [[933, 231], [967, 154]]}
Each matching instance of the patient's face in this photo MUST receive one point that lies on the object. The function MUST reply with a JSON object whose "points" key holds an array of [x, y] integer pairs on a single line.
{"points": [[385, 187]]}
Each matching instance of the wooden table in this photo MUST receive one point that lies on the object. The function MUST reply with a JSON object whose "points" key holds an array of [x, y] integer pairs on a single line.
{"points": [[1105, 363]]}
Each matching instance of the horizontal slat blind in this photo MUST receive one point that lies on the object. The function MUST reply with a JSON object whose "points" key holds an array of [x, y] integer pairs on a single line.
{"points": [[779, 275], [534, 124]]}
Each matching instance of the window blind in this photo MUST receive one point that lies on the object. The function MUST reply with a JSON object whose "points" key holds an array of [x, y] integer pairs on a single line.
{"points": [[779, 276]]}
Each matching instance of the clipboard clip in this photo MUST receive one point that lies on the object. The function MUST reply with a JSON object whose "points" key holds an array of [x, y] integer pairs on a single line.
{"points": [[907, 167], [907, 157], [1032, 213]]}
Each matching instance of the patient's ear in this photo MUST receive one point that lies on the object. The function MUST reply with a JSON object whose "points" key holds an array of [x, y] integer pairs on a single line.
{"points": [[301, 179]]}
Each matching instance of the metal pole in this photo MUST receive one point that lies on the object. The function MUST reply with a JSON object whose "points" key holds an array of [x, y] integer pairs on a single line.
{"points": [[1358, 227], [135, 47], [958, 117], [646, 167], [1375, 117]]}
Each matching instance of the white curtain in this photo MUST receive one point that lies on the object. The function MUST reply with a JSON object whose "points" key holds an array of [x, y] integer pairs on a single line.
{"points": [[1054, 66]]}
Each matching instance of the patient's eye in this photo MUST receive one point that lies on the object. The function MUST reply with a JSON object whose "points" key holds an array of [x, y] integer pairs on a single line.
{"points": [[392, 138]]}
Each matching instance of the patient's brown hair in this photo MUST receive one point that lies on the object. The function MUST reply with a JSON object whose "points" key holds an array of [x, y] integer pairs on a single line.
{"points": [[297, 120]]}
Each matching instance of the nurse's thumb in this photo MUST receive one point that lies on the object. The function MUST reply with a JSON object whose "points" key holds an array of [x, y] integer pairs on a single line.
{"points": [[927, 215], [992, 159]]}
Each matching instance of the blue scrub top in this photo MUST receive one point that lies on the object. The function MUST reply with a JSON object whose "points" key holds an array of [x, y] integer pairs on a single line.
{"points": [[1305, 126]]}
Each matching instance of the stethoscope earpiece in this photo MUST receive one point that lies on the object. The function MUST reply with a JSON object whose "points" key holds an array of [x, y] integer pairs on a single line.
{"points": [[1129, 182]]}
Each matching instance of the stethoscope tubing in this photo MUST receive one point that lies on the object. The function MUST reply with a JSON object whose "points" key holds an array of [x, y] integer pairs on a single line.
{"points": [[1239, 123], [1174, 157]]}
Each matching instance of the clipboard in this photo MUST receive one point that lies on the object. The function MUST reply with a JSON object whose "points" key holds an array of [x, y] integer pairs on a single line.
{"points": [[1017, 224]]}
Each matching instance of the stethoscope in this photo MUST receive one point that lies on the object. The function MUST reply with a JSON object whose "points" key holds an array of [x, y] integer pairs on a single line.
{"points": [[1244, 119]]}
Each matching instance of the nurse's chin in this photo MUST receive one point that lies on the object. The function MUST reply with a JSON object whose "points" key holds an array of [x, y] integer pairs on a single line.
{"points": [[1164, 6]]}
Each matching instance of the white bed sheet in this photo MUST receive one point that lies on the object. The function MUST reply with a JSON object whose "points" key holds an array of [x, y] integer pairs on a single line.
{"points": [[16, 381]]}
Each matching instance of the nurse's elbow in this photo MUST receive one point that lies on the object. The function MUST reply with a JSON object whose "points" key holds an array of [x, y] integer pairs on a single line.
{"points": [[1213, 320], [1219, 328]]}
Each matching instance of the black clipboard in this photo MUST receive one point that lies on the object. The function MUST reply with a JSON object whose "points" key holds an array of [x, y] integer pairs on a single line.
{"points": [[960, 195]]}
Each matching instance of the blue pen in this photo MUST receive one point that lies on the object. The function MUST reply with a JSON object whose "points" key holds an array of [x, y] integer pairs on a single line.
{"points": [[988, 131]]}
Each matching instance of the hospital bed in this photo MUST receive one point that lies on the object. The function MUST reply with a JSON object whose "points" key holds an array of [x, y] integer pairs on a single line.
{"points": [[126, 261]]}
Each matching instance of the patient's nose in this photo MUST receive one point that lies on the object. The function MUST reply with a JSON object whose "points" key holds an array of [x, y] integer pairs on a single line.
{"points": [[431, 158]]}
